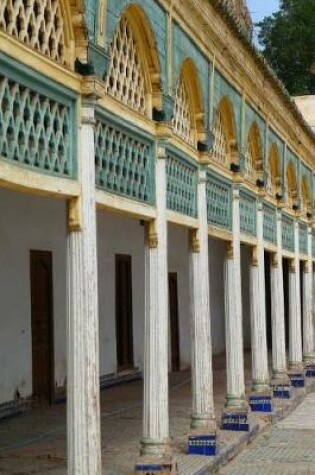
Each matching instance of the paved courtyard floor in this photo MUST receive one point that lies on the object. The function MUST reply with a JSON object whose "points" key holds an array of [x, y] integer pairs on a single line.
{"points": [[288, 448], [35, 443]]}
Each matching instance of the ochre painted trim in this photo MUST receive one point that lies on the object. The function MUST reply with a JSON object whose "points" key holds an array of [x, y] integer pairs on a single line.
{"points": [[221, 234], [182, 220]]}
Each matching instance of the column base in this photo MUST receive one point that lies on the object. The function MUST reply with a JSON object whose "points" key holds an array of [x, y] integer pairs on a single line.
{"points": [[310, 371], [202, 443], [235, 419], [146, 465], [233, 402], [297, 377], [154, 447], [261, 401], [203, 421], [281, 386]]}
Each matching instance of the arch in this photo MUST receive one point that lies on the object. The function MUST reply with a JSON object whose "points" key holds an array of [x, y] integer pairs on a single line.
{"points": [[188, 119], [291, 183], [305, 192], [44, 25], [133, 75], [253, 160], [224, 130], [274, 175]]}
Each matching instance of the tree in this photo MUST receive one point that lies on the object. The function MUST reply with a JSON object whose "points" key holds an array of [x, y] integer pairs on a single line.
{"points": [[288, 41]]}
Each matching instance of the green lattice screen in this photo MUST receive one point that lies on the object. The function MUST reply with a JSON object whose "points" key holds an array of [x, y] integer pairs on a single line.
{"points": [[181, 185], [35, 130], [219, 202], [248, 214], [287, 233], [124, 162], [270, 224]]}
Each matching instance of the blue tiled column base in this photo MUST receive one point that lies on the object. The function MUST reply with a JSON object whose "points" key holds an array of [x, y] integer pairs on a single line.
{"points": [[297, 380], [237, 421], [260, 403], [148, 468], [155, 466], [310, 372], [202, 445], [282, 391]]}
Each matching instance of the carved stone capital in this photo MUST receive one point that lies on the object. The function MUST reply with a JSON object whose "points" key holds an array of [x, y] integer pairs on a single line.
{"points": [[194, 241], [255, 256], [275, 260], [151, 234], [230, 250], [292, 266], [74, 215]]}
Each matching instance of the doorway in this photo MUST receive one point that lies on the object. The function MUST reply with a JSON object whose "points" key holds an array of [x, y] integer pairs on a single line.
{"points": [[124, 332], [174, 326], [42, 326]]}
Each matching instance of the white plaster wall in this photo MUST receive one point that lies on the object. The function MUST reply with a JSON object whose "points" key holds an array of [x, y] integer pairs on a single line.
{"points": [[119, 235], [217, 250], [245, 269], [178, 261], [37, 223]]}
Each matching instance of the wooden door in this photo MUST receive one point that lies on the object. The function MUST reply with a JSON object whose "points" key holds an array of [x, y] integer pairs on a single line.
{"points": [[124, 333], [42, 326], [173, 305]]}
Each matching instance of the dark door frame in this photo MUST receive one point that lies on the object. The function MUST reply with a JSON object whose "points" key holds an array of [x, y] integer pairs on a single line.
{"points": [[37, 254], [174, 322]]}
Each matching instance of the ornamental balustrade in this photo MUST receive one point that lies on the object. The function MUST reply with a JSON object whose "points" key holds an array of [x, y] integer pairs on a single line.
{"points": [[303, 238], [248, 214], [124, 162], [35, 130], [313, 243], [181, 185], [287, 233], [38, 24], [270, 224], [219, 201]]}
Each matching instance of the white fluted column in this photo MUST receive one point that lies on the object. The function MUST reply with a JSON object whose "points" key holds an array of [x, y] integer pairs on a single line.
{"points": [[308, 329], [295, 323], [260, 372], [233, 315], [201, 346], [83, 405], [155, 403], [279, 364]]}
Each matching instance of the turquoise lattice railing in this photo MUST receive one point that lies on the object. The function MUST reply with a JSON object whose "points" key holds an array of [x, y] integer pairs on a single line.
{"points": [[303, 238], [35, 130], [287, 233], [181, 185], [124, 163], [270, 224], [313, 244], [248, 214], [219, 202]]}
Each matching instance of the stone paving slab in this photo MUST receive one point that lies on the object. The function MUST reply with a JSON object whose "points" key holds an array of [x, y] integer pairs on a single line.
{"points": [[288, 448]]}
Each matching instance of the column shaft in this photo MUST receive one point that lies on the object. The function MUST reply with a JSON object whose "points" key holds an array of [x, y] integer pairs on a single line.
{"points": [[233, 315], [308, 299], [295, 338], [83, 406], [155, 404], [202, 377], [258, 311], [279, 365]]}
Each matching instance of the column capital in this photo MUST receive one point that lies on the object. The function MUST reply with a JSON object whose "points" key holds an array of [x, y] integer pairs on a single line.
{"points": [[306, 267], [194, 241], [151, 234], [236, 193], [275, 260], [254, 260], [292, 266], [161, 153], [87, 114], [230, 250], [75, 214], [202, 175]]}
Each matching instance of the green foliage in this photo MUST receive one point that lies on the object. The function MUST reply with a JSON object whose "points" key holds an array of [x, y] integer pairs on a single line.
{"points": [[288, 41]]}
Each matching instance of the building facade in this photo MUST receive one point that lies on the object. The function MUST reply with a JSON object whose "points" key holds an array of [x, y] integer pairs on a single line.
{"points": [[157, 188]]}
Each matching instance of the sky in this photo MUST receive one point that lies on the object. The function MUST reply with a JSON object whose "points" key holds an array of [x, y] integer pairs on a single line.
{"points": [[261, 8]]}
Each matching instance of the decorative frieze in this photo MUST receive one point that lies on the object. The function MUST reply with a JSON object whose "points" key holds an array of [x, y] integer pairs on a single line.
{"points": [[35, 130], [219, 201], [248, 218], [270, 224], [181, 179], [124, 162]]}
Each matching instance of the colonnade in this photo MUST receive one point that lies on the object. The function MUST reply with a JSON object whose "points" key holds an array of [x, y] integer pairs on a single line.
{"points": [[84, 453]]}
